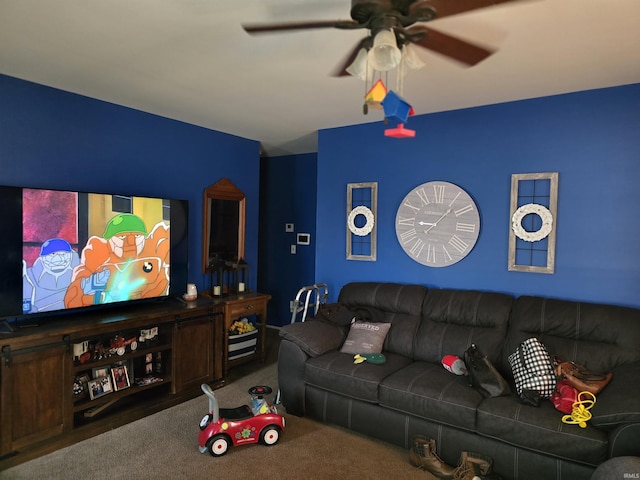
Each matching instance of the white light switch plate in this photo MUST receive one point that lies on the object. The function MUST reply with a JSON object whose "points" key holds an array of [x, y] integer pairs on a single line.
{"points": [[293, 249]]}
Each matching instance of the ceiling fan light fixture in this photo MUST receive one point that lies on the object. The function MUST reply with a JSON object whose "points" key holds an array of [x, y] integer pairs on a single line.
{"points": [[410, 58], [385, 54], [359, 67]]}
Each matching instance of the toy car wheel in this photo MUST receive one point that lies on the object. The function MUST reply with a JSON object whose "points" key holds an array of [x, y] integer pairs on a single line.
{"points": [[218, 445], [120, 351], [270, 435], [134, 346], [205, 421]]}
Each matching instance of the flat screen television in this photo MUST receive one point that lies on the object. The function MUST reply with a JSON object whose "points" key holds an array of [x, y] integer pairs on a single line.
{"points": [[68, 250]]}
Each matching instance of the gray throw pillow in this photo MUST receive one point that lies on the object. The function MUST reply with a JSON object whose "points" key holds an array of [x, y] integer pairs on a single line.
{"points": [[365, 337], [314, 337]]}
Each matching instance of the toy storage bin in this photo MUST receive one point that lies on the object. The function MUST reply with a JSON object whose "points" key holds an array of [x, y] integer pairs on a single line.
{"points": [[243, 344]]}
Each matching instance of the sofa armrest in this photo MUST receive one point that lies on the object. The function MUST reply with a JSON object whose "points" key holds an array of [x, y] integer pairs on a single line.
{"points": [[314, 337], [291, 363], [619, 402], [625, 441]]}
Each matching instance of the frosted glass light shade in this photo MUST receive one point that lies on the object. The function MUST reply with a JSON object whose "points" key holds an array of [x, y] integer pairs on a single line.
{"points": [[385, 54], [358, 67], [410, 58], [410, 61]]}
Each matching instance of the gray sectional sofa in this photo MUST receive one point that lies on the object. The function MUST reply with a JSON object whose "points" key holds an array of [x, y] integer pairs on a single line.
{"points": [[413, 394]]}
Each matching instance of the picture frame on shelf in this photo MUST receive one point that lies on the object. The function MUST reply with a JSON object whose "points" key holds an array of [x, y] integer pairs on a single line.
{"points": [[80, 388], [99, 387], [99, 372], [120, 376]]}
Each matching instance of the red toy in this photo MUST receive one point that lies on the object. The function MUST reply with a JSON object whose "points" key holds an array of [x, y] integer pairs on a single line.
{"points": [[223, 427], [118, 344], [454, 364]]}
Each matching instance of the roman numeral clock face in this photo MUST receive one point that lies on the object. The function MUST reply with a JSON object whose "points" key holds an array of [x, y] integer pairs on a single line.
{"points": [[437, 224]]}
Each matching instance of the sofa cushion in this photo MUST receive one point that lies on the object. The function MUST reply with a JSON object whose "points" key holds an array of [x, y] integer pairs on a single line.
{"points": [[369, 314], [398, 304], [365, 337], [540, 429], [335, 313], [602, 337], [336, 372], [428, 391], [619, 401], [314, 337], [454, 319]]}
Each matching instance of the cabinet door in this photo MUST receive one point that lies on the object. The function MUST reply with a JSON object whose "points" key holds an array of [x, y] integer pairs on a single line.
{"points": [[37, 392], [193, 353]]}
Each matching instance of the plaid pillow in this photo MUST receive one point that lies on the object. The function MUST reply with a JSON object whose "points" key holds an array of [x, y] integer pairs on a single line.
{"points": [[532, 368]]}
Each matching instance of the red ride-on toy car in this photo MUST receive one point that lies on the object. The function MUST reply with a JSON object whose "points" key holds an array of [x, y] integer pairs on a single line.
{"points": [[223, 427]]}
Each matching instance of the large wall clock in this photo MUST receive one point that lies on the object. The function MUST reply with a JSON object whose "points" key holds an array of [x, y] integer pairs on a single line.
{"points": [[437, 224]]}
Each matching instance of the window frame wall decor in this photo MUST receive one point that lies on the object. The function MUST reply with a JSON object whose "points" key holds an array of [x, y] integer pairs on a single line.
{"points": [[362, 203], [534, 202]]}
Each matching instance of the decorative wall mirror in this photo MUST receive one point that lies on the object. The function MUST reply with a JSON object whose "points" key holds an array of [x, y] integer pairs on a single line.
{"points": [[224, 224]]}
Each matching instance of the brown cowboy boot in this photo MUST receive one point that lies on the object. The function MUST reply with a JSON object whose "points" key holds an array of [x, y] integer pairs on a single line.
{"points": [[423, 455], [472, 465]]}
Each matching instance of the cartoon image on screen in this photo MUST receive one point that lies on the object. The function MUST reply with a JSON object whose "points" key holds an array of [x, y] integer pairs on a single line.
{"points": [[90, 249], [45, 283], [125, 263]]}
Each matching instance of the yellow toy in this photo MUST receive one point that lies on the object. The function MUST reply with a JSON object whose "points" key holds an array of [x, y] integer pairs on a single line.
{"points": [[377, 358], [580, 414]]}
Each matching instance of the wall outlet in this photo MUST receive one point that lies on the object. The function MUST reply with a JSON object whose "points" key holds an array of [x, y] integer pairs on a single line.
{"points": [[288, 227]]}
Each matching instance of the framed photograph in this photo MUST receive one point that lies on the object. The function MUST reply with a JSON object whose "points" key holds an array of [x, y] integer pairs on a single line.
{"points": [[99, 387], [120, 377], [98, 372], [80, 389]]}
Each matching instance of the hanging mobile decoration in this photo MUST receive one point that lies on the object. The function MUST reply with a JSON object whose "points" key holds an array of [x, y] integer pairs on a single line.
{"points": [[398, 109], [373, 98]]}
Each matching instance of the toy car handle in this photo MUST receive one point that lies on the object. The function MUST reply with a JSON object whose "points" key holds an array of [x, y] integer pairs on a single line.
{"points": [[214, 409]]}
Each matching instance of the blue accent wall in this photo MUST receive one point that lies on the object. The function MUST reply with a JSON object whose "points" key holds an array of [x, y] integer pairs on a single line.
{"points": [[288, 195], [591, 138], [54, 139]]}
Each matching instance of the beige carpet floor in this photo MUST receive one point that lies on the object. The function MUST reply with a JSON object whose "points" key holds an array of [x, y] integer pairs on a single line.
{"points": [[165, 446]]}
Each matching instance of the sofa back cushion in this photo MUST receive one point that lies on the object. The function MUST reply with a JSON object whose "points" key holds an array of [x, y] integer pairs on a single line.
{"points": [[395, 303], [601, 336], [454, 319]]}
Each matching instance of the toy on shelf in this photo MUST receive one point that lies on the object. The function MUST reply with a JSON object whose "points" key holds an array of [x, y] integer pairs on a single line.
{"points": [[224, 427]]}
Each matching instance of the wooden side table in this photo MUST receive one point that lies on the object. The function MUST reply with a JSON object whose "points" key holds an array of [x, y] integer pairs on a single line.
{"points": [[242, 305]]}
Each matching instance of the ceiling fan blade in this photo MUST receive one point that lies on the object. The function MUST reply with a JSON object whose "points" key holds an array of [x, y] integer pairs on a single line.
{"points": [[280, 27], [449, 46], [341, 71], [446, 8]]}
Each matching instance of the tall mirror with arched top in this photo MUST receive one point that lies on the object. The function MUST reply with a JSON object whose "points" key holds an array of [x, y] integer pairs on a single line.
{"points": [[224, 224]]}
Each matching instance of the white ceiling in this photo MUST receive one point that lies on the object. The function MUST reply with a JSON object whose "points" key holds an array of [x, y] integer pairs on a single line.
{"points": [[190, 60]]}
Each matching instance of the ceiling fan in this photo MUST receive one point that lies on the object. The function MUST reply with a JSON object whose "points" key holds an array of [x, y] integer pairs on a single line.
{"points": [[399, 16]]}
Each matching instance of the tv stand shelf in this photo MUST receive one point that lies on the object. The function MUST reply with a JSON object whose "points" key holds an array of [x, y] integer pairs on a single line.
{"points": [[39, 412]]}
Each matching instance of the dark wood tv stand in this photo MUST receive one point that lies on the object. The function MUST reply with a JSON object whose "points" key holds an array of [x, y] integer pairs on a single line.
{"points": [[40, 413]]}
